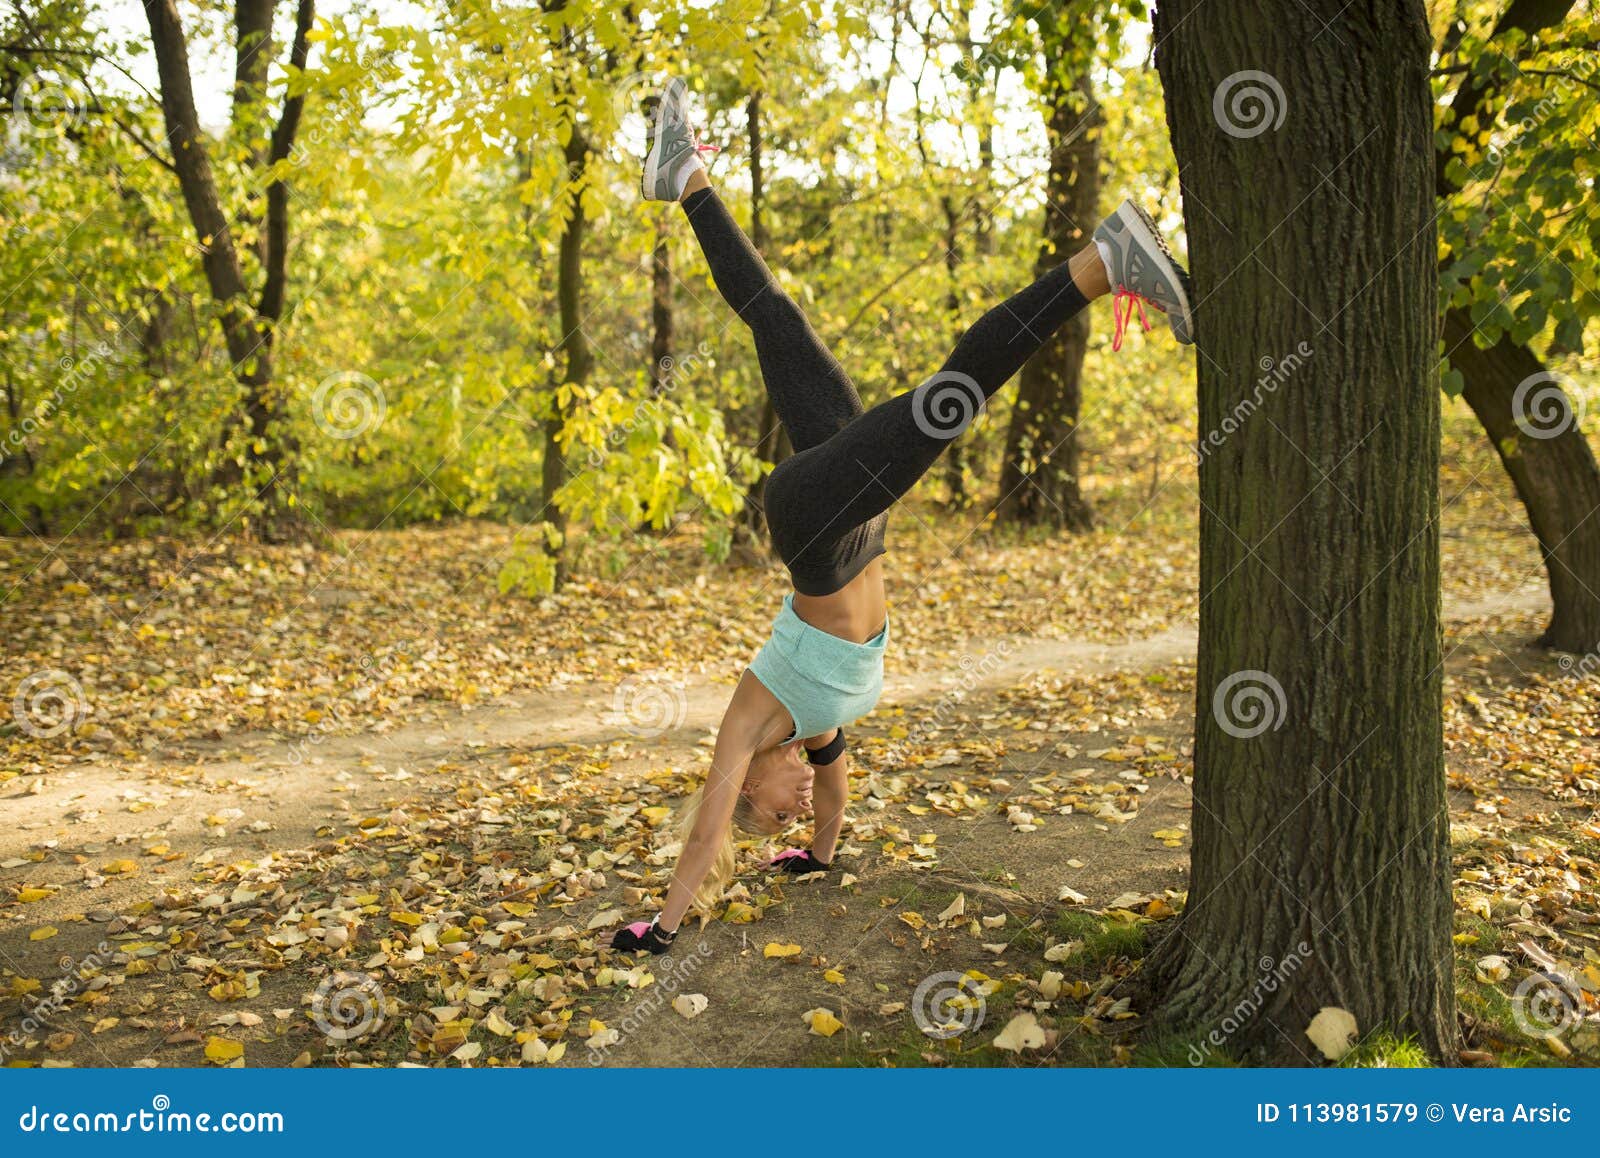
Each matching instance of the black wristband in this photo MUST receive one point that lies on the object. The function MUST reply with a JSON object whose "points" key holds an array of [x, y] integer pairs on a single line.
{"points": [[829, 752]]}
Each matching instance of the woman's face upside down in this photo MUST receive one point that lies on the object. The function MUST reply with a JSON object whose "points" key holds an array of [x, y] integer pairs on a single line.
{"points": [[778, 787]]}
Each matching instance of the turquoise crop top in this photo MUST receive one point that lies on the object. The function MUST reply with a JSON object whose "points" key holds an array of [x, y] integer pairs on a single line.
{"points": [[825, 682]]}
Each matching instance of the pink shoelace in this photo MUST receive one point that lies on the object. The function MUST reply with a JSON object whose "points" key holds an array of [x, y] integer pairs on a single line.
{"points": [[1122, 307]]}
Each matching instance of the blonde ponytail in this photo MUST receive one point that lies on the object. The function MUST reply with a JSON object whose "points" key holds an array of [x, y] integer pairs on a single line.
{"points": [[721, 870]]}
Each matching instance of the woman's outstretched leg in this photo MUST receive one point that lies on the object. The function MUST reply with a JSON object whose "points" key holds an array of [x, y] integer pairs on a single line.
{"points": [[865, 468], [812, 394]]}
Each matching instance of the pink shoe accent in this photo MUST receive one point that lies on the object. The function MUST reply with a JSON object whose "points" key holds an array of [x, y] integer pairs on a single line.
{"points": [[787, 854], [639, 928], [1122, 307]]}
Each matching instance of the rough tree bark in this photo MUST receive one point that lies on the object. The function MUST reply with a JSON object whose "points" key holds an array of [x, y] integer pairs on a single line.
{"points": [[1556, 476], [772, 445], [1039, 473], [574, 344], [1321, 870], [660, 309], [248, 331]]}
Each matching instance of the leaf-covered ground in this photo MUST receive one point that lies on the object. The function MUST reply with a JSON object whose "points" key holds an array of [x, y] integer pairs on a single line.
{"points": [[346, 805]]}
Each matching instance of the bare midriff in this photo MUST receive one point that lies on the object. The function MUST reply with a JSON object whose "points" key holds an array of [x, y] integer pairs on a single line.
{"points": [[856, 611]]}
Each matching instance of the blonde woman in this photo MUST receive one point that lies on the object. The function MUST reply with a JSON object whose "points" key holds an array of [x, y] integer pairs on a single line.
{"points": [[827, 507]]}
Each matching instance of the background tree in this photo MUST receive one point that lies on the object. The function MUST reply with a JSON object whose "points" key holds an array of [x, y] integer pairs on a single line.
{"points": [[1514, 181], [1319, 784]]}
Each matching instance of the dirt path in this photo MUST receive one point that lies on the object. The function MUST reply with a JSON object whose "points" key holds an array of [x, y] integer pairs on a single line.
{"points": [[205, 804]]}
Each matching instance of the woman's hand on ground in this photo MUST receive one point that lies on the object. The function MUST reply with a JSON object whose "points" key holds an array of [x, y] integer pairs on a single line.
{"points": [[798, 861]]}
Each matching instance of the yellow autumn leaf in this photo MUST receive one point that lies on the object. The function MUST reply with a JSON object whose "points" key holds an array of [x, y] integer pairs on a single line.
{"points": [[29, 895], [222, 1049], [43, 934], [834, 976], [405, 919], [776, 949], [822, 1022], [119, 868], [739, 913]]}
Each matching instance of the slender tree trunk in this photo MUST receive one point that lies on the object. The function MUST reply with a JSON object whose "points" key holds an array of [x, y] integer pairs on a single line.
{"points": [[771, 444], [1549, 460], [1555, 474], [1039, 474], [1321, 860], [248, 331], [661, 366], [957, 454], [574, 342]]}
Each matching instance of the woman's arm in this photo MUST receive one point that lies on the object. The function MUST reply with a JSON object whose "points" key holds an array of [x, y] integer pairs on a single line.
{"points": [[750, 723], [729, 760], [830, 793]]}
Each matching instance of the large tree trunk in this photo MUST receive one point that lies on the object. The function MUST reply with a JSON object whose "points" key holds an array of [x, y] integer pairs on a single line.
{"points": [[1039, 474], [1547, 456], [1321, 860], [1555, 473]]}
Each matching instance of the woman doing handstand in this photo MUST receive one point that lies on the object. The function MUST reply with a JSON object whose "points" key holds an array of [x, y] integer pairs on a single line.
{"points": [[827, 505]]}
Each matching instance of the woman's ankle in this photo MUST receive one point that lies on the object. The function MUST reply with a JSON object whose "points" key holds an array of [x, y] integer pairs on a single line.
{"points": [[695, 182], [1089, 273]]}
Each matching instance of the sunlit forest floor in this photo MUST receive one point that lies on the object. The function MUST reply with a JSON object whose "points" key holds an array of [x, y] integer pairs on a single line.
{"points": [[292, 767]]}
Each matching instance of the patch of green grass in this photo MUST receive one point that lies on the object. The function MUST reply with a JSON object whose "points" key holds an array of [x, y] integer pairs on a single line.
{"points": [[1104, 940], [1386, 1052]]}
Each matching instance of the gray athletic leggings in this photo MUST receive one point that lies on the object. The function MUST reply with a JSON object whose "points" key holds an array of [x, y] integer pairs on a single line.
{"points": [[851, 465]]}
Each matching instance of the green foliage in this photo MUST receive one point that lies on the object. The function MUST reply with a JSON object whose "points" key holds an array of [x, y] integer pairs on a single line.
{"points": [[1517, 243]]}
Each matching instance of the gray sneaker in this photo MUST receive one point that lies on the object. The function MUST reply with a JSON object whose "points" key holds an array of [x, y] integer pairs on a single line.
{"points": [[1141, 269], [673, 153]]}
